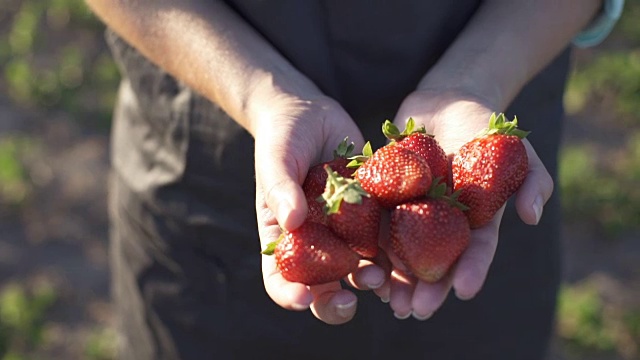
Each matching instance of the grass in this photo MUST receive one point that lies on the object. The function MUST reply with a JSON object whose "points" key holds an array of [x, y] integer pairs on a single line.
{"points": [[581, 319], [54, 58], [610, 77], [602, 187], [598, 184], [22, 316], [15, 186], [101, 344], [587, 323], [23, 324]]}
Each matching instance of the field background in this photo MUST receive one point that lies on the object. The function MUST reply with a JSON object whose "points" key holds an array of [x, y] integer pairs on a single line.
{"points": [[57, 85]]}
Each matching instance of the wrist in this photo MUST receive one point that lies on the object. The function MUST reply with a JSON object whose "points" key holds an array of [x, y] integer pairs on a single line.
{"points": [[465, 83], [271, 94]]}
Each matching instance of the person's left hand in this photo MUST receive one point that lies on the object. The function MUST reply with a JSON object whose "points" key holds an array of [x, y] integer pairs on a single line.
{"points": [[292, 133], [455, 118]]}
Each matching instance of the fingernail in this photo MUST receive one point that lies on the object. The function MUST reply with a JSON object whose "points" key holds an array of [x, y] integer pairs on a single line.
{"points": [[375, 285], [421, 317], [538, 203], [465, 297], [345, 310], [401, 317], [299, 307], [384, 300]]}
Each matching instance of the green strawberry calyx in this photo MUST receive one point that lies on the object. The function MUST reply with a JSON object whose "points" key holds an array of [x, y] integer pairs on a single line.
{"points": [[498, 124], [438, 190], [358, 160], [344, 149], [340, 189], [391, 131], [271, 247]]}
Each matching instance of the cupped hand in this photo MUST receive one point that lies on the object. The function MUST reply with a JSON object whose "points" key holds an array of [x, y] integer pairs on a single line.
{"points": [[454, 118], [291, 134]]}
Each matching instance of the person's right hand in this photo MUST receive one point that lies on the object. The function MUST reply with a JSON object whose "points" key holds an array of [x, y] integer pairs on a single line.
{"points": [[291, 134], [454, 118]]}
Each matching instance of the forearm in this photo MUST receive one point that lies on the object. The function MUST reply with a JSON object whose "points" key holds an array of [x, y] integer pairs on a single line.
{"points": [[209, 47], [506, 44]]}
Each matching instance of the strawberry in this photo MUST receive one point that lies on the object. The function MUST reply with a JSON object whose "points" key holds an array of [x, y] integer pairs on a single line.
{"points": [[352, 213], [490, 168], [316, 179], [393, 174], [418, 141], [312, 255], [428, 235]]}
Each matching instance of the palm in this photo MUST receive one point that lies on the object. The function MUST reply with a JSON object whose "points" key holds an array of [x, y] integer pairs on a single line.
{"points": [[454, 119], [295, 136]]}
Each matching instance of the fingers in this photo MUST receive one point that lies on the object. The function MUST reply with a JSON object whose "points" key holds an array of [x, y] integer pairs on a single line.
{"points": [[384, 292], [536, 189], [332, 304], [472, 267], [277, 175], [328, 302], [411, 297], [291, 296], [401, 293], [369, 276], [280, 170], [427, 297]]}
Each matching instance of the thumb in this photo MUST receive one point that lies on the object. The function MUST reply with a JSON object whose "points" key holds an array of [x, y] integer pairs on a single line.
{"points": [[536, 189], [279, 174]]}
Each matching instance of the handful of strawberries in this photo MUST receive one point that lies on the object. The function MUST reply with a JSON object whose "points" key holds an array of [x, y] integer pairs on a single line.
{"points": [[433, 205]]}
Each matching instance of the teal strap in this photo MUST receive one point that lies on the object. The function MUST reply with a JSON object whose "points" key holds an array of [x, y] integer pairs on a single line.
{"points": [[601, 26]]}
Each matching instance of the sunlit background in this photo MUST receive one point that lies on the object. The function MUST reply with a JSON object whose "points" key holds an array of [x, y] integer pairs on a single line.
{"points": [[57, 86]]}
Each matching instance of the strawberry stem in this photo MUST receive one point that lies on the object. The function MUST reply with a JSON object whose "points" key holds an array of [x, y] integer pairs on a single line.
{"points": [[338, 189], [391, 131], [438, 190], [271, 247], [498, 124], [344, 149], [358, 160]]}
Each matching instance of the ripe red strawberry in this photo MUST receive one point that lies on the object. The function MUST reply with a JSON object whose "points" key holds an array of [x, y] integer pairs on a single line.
{"points": [[352, 214], [393, 174], [312, 255], [316, 179], [428, 235], [418, 141], [490, 168]]}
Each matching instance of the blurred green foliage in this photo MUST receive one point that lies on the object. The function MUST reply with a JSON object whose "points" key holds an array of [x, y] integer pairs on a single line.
{"points": [[22, 316], [614, 76], [588, 323], [602, 190], [629, 27], [14, 183], [54, 57], [101, 344], [581, 318], [599, 185]]}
